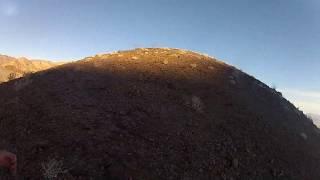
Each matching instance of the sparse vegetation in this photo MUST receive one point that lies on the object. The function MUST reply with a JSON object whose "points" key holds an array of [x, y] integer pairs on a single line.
{"points": [[274, 87], [12, 76], [52, 169], [27, 74]]}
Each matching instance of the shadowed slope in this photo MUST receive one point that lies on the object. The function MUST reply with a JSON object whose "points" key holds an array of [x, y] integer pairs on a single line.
{"points": [[155, 114]]}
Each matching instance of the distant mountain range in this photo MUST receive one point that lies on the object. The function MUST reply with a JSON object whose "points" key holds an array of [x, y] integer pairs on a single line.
{"points": [[11, 68]]}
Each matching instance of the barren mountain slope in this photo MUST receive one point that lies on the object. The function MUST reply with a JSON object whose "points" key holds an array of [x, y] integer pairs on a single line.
{"points": [[154, 114], [21, 66]]}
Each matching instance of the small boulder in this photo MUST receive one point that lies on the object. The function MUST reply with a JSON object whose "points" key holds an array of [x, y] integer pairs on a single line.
{"points": [[193, 65], [304, 136]]}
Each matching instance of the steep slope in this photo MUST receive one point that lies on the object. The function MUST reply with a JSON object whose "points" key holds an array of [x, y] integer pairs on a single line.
{"points": [[154, 114], [17, 67]]}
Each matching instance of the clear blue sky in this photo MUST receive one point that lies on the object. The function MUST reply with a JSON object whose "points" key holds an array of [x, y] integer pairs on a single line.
{"points": [[277, 41]]}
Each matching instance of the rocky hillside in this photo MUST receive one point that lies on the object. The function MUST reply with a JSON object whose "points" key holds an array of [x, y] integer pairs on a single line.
{"points": [[11, 68], [154, 114]]}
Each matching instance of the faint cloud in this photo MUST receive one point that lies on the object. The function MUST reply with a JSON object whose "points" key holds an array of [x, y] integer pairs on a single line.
{"points": [[308, 101], [9, 9]]}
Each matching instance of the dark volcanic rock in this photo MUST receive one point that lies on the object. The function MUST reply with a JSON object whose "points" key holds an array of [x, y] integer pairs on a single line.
{"points": [[154, 114]]}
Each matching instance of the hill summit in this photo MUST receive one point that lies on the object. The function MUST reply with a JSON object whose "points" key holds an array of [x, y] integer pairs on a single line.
{"points": [[154, 113]]}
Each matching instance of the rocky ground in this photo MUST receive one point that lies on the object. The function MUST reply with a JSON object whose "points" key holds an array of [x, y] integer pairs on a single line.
{"points": [[154, 114]]}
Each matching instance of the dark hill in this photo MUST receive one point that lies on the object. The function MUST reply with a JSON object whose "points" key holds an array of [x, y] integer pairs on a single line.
{"points": [[154, 114]]}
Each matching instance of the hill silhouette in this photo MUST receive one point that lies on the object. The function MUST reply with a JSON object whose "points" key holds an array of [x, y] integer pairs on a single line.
{"points": [[11, 68], [154, 114]]}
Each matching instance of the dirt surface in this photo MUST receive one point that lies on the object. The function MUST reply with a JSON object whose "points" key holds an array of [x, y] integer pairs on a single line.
{"points": [[154, 114]]}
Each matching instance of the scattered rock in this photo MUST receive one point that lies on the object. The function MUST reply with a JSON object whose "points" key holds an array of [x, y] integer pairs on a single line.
{"points": [[182, 52], [233, 82], [193, 65], [143, 49], [200, 170], [113, 53], [235, 163], [262, 85], [134, 57], [88, 58], [304, 136], [197, 104], [165, 62], [236, 73]]}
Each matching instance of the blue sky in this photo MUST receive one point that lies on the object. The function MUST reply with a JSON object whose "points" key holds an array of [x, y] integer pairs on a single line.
{"points": [[277, 41]]}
